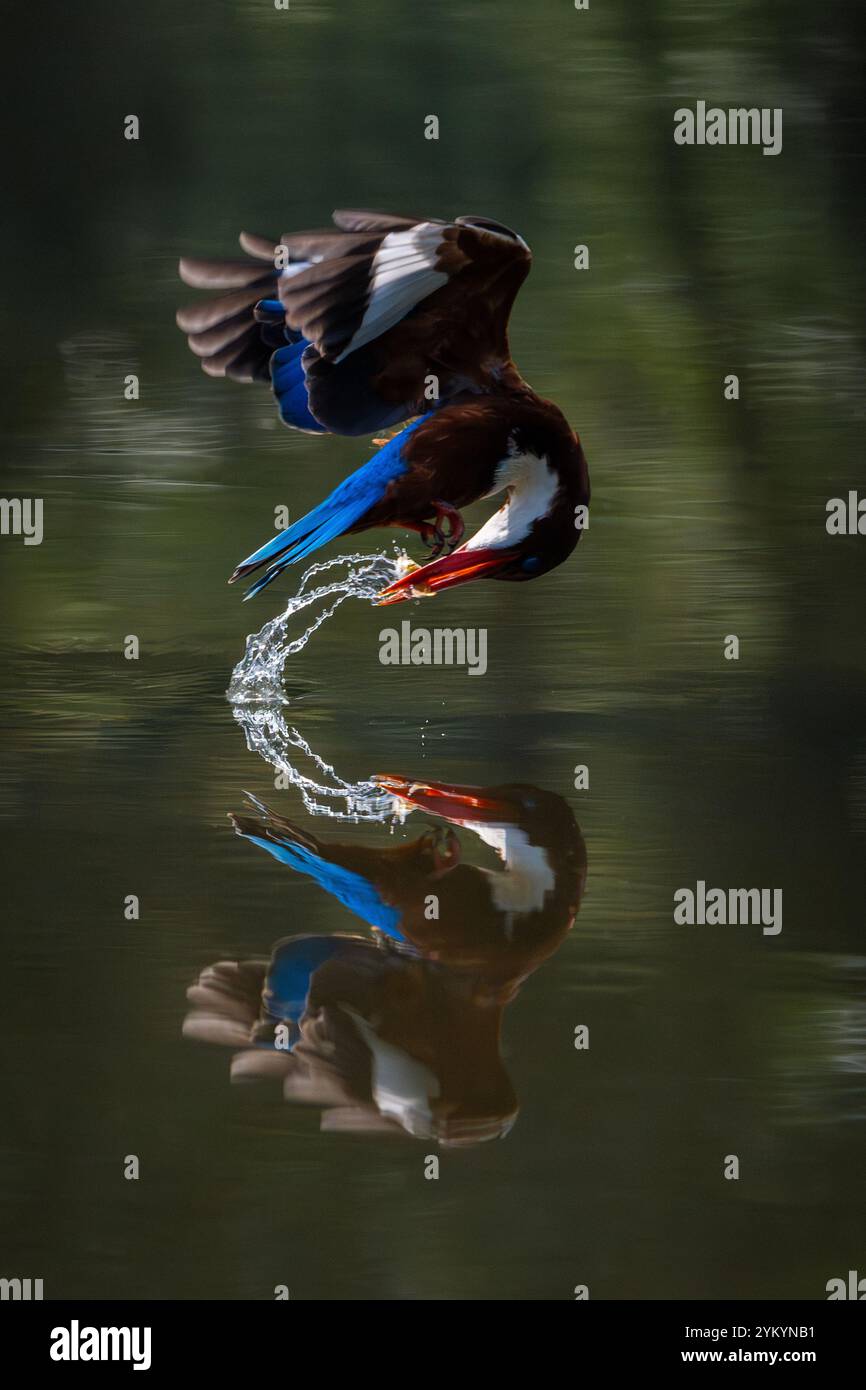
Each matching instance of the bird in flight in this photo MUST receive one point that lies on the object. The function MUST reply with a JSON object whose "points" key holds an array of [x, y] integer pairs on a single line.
{"points": [[383, 321]]}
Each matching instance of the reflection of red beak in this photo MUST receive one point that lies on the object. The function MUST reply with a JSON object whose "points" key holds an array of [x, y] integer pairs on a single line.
{"points": [[457, 568], [458, 804]]}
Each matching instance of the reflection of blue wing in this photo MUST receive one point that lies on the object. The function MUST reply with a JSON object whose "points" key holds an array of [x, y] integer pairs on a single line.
{"points": [[288, 980], [352, 890]]}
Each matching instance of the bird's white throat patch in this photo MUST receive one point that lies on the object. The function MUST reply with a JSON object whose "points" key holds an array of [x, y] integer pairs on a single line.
{"points": [[528, 876], [533, 486]]}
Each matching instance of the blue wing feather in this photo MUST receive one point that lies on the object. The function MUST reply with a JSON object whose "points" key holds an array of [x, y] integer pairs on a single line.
{"points": [[289, 383], [337, 514], [288, 377], [294, 963]]}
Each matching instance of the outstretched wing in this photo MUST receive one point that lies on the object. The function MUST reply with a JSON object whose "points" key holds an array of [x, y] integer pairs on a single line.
{"points": [[401, 312], [396, 312], [243, 333]]}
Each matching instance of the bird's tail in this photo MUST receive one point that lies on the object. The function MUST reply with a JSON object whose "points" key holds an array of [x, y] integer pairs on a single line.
{"points": [[281, 837], [307, 855], [327, 521]]}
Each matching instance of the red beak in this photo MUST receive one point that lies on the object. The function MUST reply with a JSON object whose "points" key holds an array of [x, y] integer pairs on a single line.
{"points": [[457, 568], [453, 803]]}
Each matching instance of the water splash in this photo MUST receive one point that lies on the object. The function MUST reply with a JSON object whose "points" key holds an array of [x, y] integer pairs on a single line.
{"points": [[258, 675], [323, 791]]}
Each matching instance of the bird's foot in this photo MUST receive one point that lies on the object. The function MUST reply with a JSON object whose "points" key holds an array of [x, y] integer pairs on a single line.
{"points": [[433, 534], [381, 439], [433, 537], [456, 524]]}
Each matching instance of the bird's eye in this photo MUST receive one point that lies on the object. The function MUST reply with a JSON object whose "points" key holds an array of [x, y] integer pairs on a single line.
{"points": [[531, 565]]}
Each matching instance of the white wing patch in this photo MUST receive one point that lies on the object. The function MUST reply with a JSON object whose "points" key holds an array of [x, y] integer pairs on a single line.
{"points": [[295, 267], [403, 273], [402, 1086], [533, 486]]}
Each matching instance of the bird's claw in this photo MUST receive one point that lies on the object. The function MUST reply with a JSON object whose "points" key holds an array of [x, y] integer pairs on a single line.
{"points": [[433, 537], [432, 533]]}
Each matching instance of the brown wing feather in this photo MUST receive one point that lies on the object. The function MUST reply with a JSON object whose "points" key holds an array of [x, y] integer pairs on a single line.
{"points": [[361, 220], [458, 333], [453, 285], [328, 301]]}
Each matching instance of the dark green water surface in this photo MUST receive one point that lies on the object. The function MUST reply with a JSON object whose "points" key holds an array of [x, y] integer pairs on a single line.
{"points": [[708, 519]]}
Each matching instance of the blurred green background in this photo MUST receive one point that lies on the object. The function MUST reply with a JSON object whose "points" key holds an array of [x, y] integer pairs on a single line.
{"points": [[708, 519]]}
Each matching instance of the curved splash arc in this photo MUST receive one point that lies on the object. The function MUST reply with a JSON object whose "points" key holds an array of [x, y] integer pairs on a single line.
{"points": [[323, 791], [258, 676]]}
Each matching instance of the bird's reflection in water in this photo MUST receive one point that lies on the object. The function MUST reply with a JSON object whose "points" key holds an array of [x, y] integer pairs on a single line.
{"points": [[399, 1031]]}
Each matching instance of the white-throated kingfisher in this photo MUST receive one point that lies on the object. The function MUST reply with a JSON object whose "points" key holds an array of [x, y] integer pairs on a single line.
{"points": [[372, 323]]}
